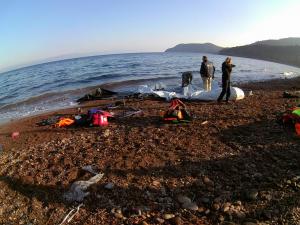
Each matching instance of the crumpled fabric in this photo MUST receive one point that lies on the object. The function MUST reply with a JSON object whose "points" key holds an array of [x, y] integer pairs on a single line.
{"points": [[77, 191]]}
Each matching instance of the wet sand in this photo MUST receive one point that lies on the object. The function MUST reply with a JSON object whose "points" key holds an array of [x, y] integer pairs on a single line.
{"points": [[240, 166]]}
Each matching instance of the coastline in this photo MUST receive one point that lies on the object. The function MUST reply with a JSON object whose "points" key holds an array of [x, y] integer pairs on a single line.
{"points": [[241, 149]]}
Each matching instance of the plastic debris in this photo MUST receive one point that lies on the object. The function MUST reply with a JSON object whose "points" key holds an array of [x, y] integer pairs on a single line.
{"points": [[78, 189], [71, 215]]}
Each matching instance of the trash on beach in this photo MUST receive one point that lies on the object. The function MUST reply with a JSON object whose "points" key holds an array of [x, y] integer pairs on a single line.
{"points": [[98, 117], [177, 112], [65, 122], [291, 118], [77, 191], [71, 215], [15, 134]]}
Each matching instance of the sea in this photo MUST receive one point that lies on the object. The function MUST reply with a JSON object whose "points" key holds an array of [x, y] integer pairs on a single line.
{"points": [[50, 86]]}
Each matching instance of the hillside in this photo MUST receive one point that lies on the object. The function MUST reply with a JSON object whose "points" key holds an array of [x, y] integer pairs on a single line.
{"points": [[286, 51], [280, 42], [204, 48]]}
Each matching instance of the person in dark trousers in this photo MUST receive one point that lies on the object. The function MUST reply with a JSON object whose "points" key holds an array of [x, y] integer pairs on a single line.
{"points": [[207, 72], [226, 72]]}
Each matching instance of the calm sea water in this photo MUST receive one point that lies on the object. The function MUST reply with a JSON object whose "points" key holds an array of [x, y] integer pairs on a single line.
{"points": [[54, 85]]}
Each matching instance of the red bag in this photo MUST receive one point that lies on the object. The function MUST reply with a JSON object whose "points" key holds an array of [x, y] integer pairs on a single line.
{"points": [[100, 118]]}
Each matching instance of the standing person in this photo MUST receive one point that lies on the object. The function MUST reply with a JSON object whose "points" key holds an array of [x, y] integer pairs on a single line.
{"points": [[226, 71], [207, 72]]}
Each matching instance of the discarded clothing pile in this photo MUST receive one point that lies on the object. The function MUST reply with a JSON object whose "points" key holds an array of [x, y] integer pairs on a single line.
{"points": [[177, 112], [291, 118], [94, 117]]}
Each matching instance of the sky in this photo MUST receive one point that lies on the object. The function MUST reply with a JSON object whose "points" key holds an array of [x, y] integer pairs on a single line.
{"points": [[34, 31]]}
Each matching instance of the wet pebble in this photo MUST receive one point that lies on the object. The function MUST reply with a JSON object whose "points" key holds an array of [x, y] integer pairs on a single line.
{"points": [[109, 186], [168, 216], [191, 206], [251, 194], [183, 199]]}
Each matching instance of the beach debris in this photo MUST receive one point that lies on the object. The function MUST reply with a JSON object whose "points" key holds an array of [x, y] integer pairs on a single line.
{"points": [[15, 134], [90, 169], [65, 122], [78, 189], [71, 215], [204, 122]]}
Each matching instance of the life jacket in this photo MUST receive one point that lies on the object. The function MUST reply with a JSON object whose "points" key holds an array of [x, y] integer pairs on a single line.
{"points": [[292, 118], [177, 112], [98, 117], [64, 122]]}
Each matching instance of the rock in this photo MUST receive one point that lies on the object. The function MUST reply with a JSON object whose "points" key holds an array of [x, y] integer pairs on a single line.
{"points": [[160, 220], [177, 220], [207, 212], [118, 215], [252, 194], [221, 219], [240, 215], [168, 216], [249, 223], [144, 223], [239, 203], [191, 206], [201, 209], [207, 181], [109, 186], [106, 133], [156, 183], [216, 206], [226, 207], [183, 199], [205, 200]]}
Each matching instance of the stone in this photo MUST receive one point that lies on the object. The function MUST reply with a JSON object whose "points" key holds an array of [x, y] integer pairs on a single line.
{"points": [[183, 199], [159, 220], [201, 209], [106, 133], [109, 186], [118, 215], [177, 220], [144, 223], [221, 218], [252, 194], [168, 216], [156, 183], [191, 206], [205, 200], [216, 206], [207, 181]]}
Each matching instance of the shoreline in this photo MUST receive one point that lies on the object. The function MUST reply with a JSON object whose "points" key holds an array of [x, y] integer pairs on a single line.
{"points": [[111, 86], [233, 156]]}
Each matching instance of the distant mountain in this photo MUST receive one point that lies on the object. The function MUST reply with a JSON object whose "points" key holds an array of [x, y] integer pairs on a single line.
{"points": [[292, 41], [203, 48], [286, 51]]}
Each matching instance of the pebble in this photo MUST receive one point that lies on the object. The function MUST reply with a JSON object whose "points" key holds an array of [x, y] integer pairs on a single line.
{"points": [[178, 221], [168, 216], [205, 200], [183, 199], [190, 206], [160, 220], [109, 186], [118, 215], [201, 209], [144, 223], [216, 206], [208, 181], [156, 183], [252, 194], [106, 133]]}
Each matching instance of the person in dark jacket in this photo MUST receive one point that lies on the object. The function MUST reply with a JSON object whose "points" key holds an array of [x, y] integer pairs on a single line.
{"points": [[207, 72], [226, 72]]}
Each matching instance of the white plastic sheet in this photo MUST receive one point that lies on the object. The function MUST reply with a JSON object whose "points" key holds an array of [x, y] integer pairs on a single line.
{"points": [[190, 92]]}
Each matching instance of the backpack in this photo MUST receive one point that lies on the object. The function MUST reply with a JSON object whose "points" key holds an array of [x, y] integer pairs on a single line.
{"points": [[209, 69], [177, 112]]}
